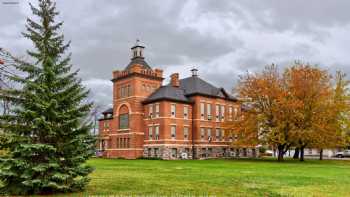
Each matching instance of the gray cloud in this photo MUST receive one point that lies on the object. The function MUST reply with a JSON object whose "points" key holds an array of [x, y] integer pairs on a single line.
{"points": [[221, 38]]}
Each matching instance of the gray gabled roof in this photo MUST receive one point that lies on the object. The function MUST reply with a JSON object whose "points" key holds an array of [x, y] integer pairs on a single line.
{"points": [[188, 87], [195, 85], [168, 93], [138, 60]]}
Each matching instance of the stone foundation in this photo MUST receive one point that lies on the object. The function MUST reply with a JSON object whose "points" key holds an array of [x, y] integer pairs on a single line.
{"points": [[174, 153]]}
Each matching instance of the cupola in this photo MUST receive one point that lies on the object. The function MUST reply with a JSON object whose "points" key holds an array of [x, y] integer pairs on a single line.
{"points": [[137, 50]]}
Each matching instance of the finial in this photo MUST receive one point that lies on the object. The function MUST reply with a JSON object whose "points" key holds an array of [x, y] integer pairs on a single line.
{"points": [[137, 42]]}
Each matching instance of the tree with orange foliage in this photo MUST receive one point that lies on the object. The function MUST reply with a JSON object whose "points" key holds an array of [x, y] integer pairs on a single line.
{"points": [[293, 109], [317, 121], [268, 117]]}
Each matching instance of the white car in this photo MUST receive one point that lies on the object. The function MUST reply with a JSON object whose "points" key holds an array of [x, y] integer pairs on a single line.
{"points": [[345, 153]]}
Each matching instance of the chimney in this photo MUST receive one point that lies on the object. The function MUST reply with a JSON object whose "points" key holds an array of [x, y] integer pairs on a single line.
{"points": [[174, 80]]}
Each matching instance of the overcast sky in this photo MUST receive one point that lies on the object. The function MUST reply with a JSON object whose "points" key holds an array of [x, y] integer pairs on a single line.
{"points": [[223, 39]]}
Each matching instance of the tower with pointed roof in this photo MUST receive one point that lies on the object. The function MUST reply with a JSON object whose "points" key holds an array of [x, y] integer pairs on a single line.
{"points": [[125, 133]]}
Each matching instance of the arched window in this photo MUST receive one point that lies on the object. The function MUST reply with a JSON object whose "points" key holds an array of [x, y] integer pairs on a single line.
{"points": [[123, 117]]}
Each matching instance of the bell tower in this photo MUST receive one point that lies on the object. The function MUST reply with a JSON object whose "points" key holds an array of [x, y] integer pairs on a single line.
{"points": [[131, 86]]}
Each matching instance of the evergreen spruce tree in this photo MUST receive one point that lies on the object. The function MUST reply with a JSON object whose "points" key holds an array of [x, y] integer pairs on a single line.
{"points": [[46, 137]]}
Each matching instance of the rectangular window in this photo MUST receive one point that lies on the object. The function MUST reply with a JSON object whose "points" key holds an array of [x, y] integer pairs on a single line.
{"points": [[217, 113], [235, 113], [156, 152], [210, 151], [174, 152], [223, 134], [202, 133], [230, 113], [185, 112], [173, 110], [209, 134], [217, 134], [106, 125], [122, 142], [202, 110], [149, 152], [157, 110], [150, 111], [123, 121], [186, 133], [173, 132], [209, 111], [122, 90], [150, 133], [157, 132], [128, 90], [222, 117]]}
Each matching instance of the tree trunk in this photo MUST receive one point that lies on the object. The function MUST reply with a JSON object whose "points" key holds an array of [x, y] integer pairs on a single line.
{"points": [[301, 154], [296, 153], [321, 154], [280, 153]]}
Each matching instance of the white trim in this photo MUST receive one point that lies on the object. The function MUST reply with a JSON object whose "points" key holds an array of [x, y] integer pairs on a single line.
{"points": [[169, 117], [152, 145], [123, 130], [124, 149], [173, 140], [153, 124], [137, 133], [130, 97]]}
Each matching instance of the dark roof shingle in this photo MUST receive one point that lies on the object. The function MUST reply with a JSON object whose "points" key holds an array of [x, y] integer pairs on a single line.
{"points": [[188, 87], [168, 93], [108, 111], [138, 60]]}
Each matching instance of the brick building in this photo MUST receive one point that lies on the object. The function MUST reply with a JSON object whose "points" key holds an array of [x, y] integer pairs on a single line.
{"points": [[182, 119]]}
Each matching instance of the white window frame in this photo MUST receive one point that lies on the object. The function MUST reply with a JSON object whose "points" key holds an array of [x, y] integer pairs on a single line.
{"points": [[157, 110], [217, 134], [209, 133], [209, 111], [186, 132], [235, 113], [156, 130], [217, 113], [173, 132], [202, 133], [222, 113], [150, 133], [150, 111], [185, 111], [173, 110], [230, 111], [202, 110]]}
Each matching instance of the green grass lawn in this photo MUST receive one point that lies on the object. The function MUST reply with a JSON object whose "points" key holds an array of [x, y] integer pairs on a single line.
{"points": [[219, 177]]}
